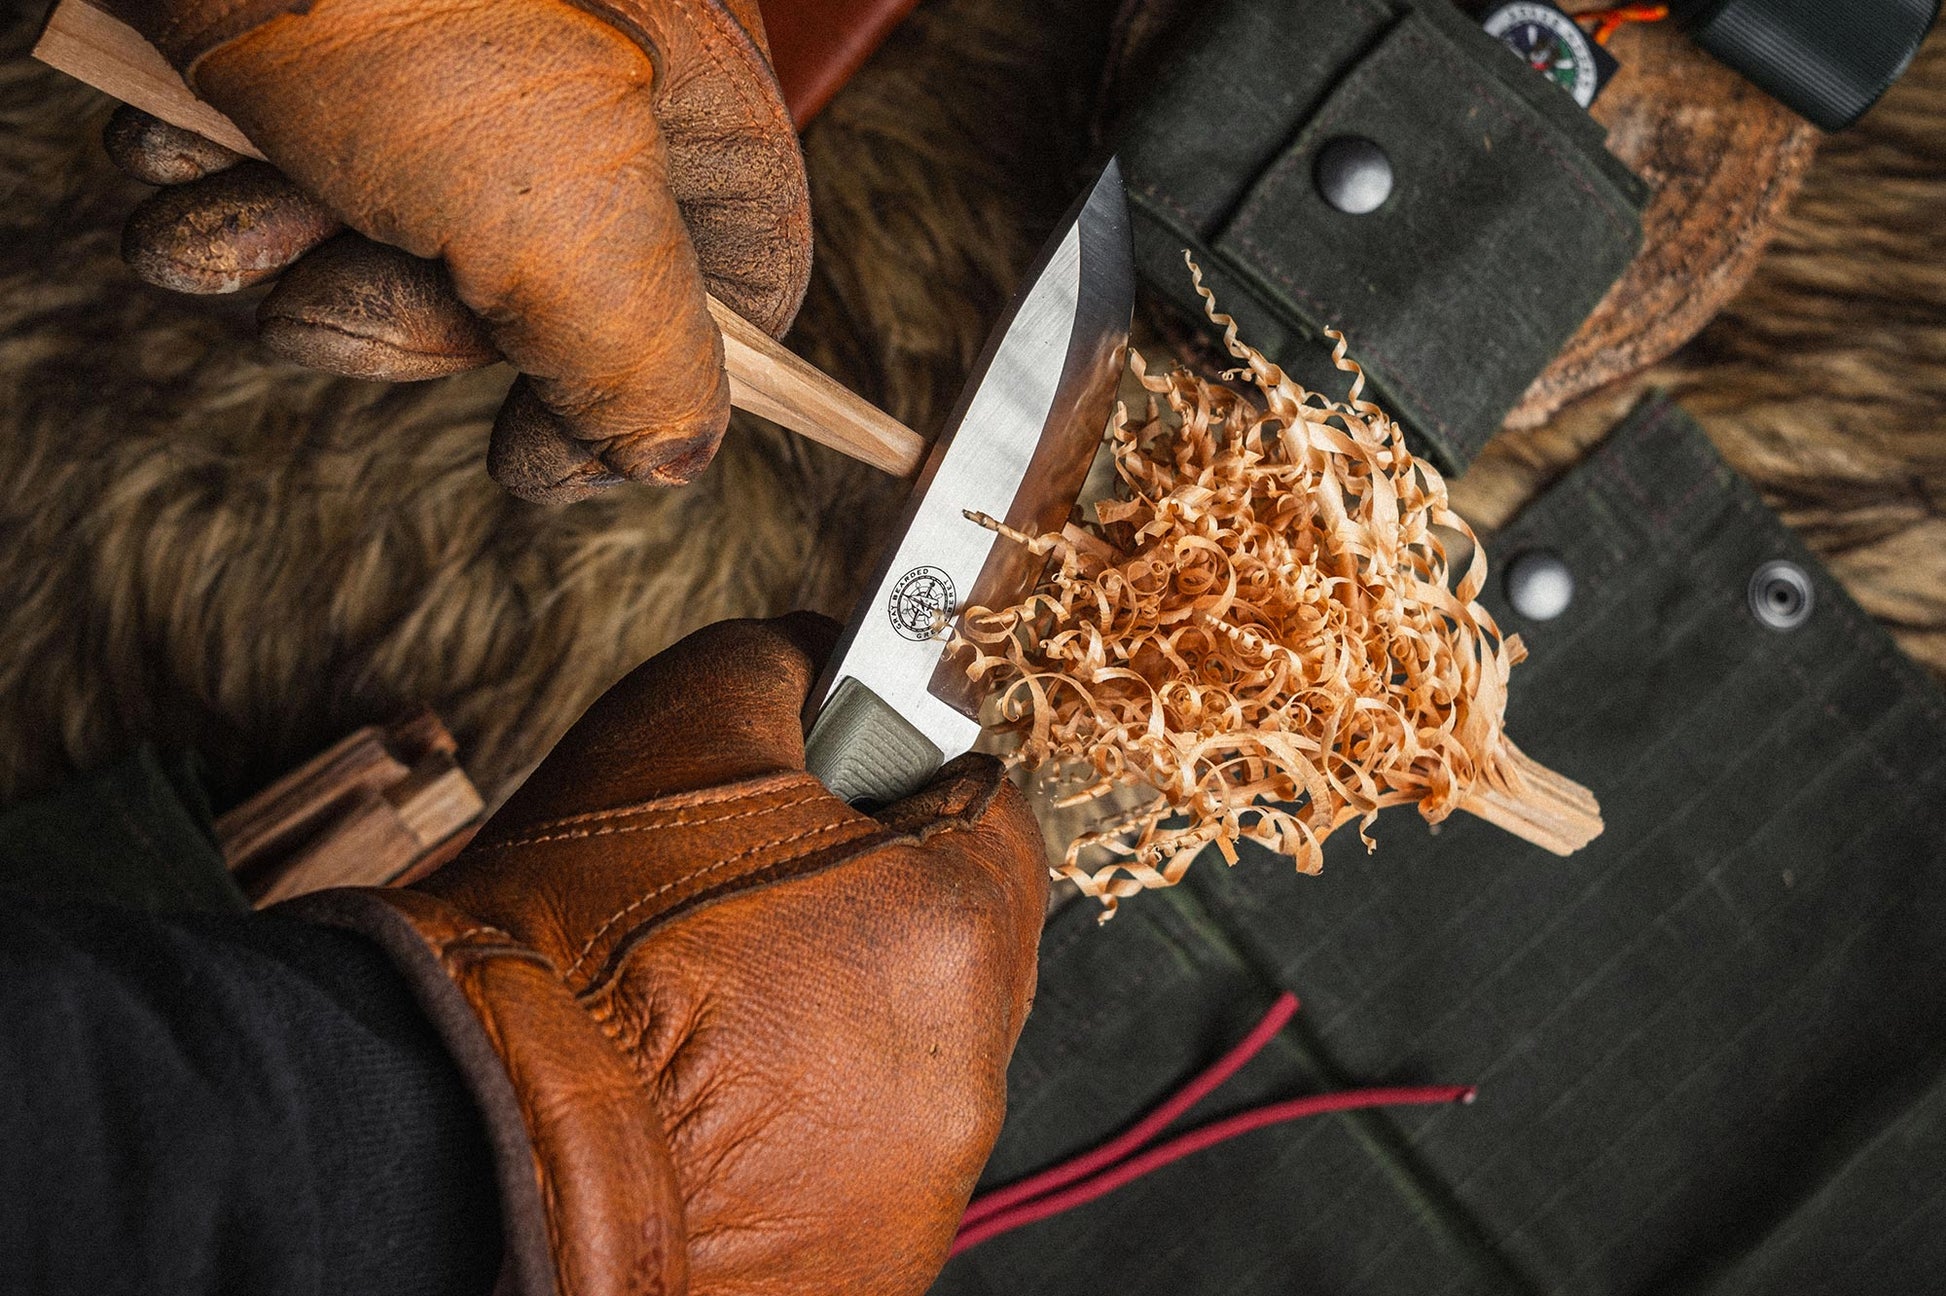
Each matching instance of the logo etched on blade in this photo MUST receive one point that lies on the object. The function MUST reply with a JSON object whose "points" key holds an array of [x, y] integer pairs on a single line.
{"points": [[922, 602]]}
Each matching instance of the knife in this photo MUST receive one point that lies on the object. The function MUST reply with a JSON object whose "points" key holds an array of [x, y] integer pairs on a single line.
{"points": [[891, 706]]}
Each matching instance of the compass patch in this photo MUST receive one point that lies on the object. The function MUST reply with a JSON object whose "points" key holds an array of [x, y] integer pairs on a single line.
{"points": [[1551, 43]]}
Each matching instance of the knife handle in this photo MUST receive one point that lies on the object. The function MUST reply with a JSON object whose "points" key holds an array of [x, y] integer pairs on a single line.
{"points": [[99, 49], [866, 752]]}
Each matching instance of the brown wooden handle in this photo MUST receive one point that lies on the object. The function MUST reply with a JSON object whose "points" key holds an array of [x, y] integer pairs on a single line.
{"points": [[97, 48]]}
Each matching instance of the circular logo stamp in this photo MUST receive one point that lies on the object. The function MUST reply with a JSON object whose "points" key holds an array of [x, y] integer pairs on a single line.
{"points": [[922, 602]]}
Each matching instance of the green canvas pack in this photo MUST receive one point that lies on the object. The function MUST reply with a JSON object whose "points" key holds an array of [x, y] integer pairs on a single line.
{"points": [[1506, 221]]}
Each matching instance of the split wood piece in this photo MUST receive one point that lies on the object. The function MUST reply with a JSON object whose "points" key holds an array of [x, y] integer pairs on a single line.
{"points": [[383, 806], [99, 49], [261, 827]]}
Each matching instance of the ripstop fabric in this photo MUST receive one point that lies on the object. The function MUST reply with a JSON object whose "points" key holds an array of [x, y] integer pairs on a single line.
{"points": [[1709, 1046]]}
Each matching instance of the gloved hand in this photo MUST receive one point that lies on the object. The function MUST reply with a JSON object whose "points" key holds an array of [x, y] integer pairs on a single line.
{"points": [[727, 1031], [581, 170]]}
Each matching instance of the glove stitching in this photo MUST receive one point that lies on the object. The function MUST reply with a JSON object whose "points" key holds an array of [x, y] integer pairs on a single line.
{"points": [[713, 18], [800, 835], [741, 791], [614, 829], [484, 929]]}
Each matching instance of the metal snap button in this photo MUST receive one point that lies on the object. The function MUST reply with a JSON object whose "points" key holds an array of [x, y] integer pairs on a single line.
{"points": [[1353, 174], [1539, 585], [1780, 595]]}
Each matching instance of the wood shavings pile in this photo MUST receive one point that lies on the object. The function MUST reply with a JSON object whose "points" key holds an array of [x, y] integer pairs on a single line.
{"points": [[1259, 630]]}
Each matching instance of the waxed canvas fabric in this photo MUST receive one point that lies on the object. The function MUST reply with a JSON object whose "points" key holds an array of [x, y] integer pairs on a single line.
{"points": [[1711, 1047], [1507, 221]]}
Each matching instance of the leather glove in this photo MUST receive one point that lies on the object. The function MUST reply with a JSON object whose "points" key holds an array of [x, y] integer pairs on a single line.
{"points": [[580, 169], [730, 1035]]}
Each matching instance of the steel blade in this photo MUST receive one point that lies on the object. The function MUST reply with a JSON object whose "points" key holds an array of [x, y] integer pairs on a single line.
{"points": [[1017, 447]]}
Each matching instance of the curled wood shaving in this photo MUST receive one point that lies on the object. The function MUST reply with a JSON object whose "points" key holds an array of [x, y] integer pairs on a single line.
{"points": [[1259, 631]]}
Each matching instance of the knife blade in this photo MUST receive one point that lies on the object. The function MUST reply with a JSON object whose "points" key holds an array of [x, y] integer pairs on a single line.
{"points": [[889, 709]]}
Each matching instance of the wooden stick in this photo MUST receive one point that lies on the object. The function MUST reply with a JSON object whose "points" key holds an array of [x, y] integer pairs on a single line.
{"points": [[772, 383], [1546, 808], [99, 49], [1549, 809]]}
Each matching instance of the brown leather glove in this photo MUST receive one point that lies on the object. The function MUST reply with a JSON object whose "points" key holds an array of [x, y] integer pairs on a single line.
{"points": [[582, 170], [727, 1031]]}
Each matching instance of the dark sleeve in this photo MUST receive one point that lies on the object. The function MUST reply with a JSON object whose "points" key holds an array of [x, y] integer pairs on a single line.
{"points": [[227, 1103]]}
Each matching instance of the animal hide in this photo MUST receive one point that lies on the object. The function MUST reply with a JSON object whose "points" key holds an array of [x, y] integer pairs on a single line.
{"points": [[207, 547]]}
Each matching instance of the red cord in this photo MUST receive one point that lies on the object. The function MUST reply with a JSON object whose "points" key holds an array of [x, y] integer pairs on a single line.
{"points": [[1608, 21], [1143, 1130], [1035, 1197], [993, 1225]]}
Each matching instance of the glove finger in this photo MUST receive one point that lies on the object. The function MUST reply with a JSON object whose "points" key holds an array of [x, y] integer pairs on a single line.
{"points": [[157, 153], [723, 704], [535, 455], [551, 208], [351, 306], [225, 231]]}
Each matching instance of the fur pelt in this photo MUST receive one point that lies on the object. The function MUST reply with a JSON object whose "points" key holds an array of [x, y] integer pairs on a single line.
{"points": [[207, 547]]}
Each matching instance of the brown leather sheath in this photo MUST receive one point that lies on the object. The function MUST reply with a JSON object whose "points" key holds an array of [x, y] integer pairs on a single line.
{"points": [[816, 45]]}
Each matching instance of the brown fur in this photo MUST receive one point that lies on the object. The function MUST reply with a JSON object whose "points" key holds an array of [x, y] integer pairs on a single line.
{"points": [[209, 547], [206, 546]]}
